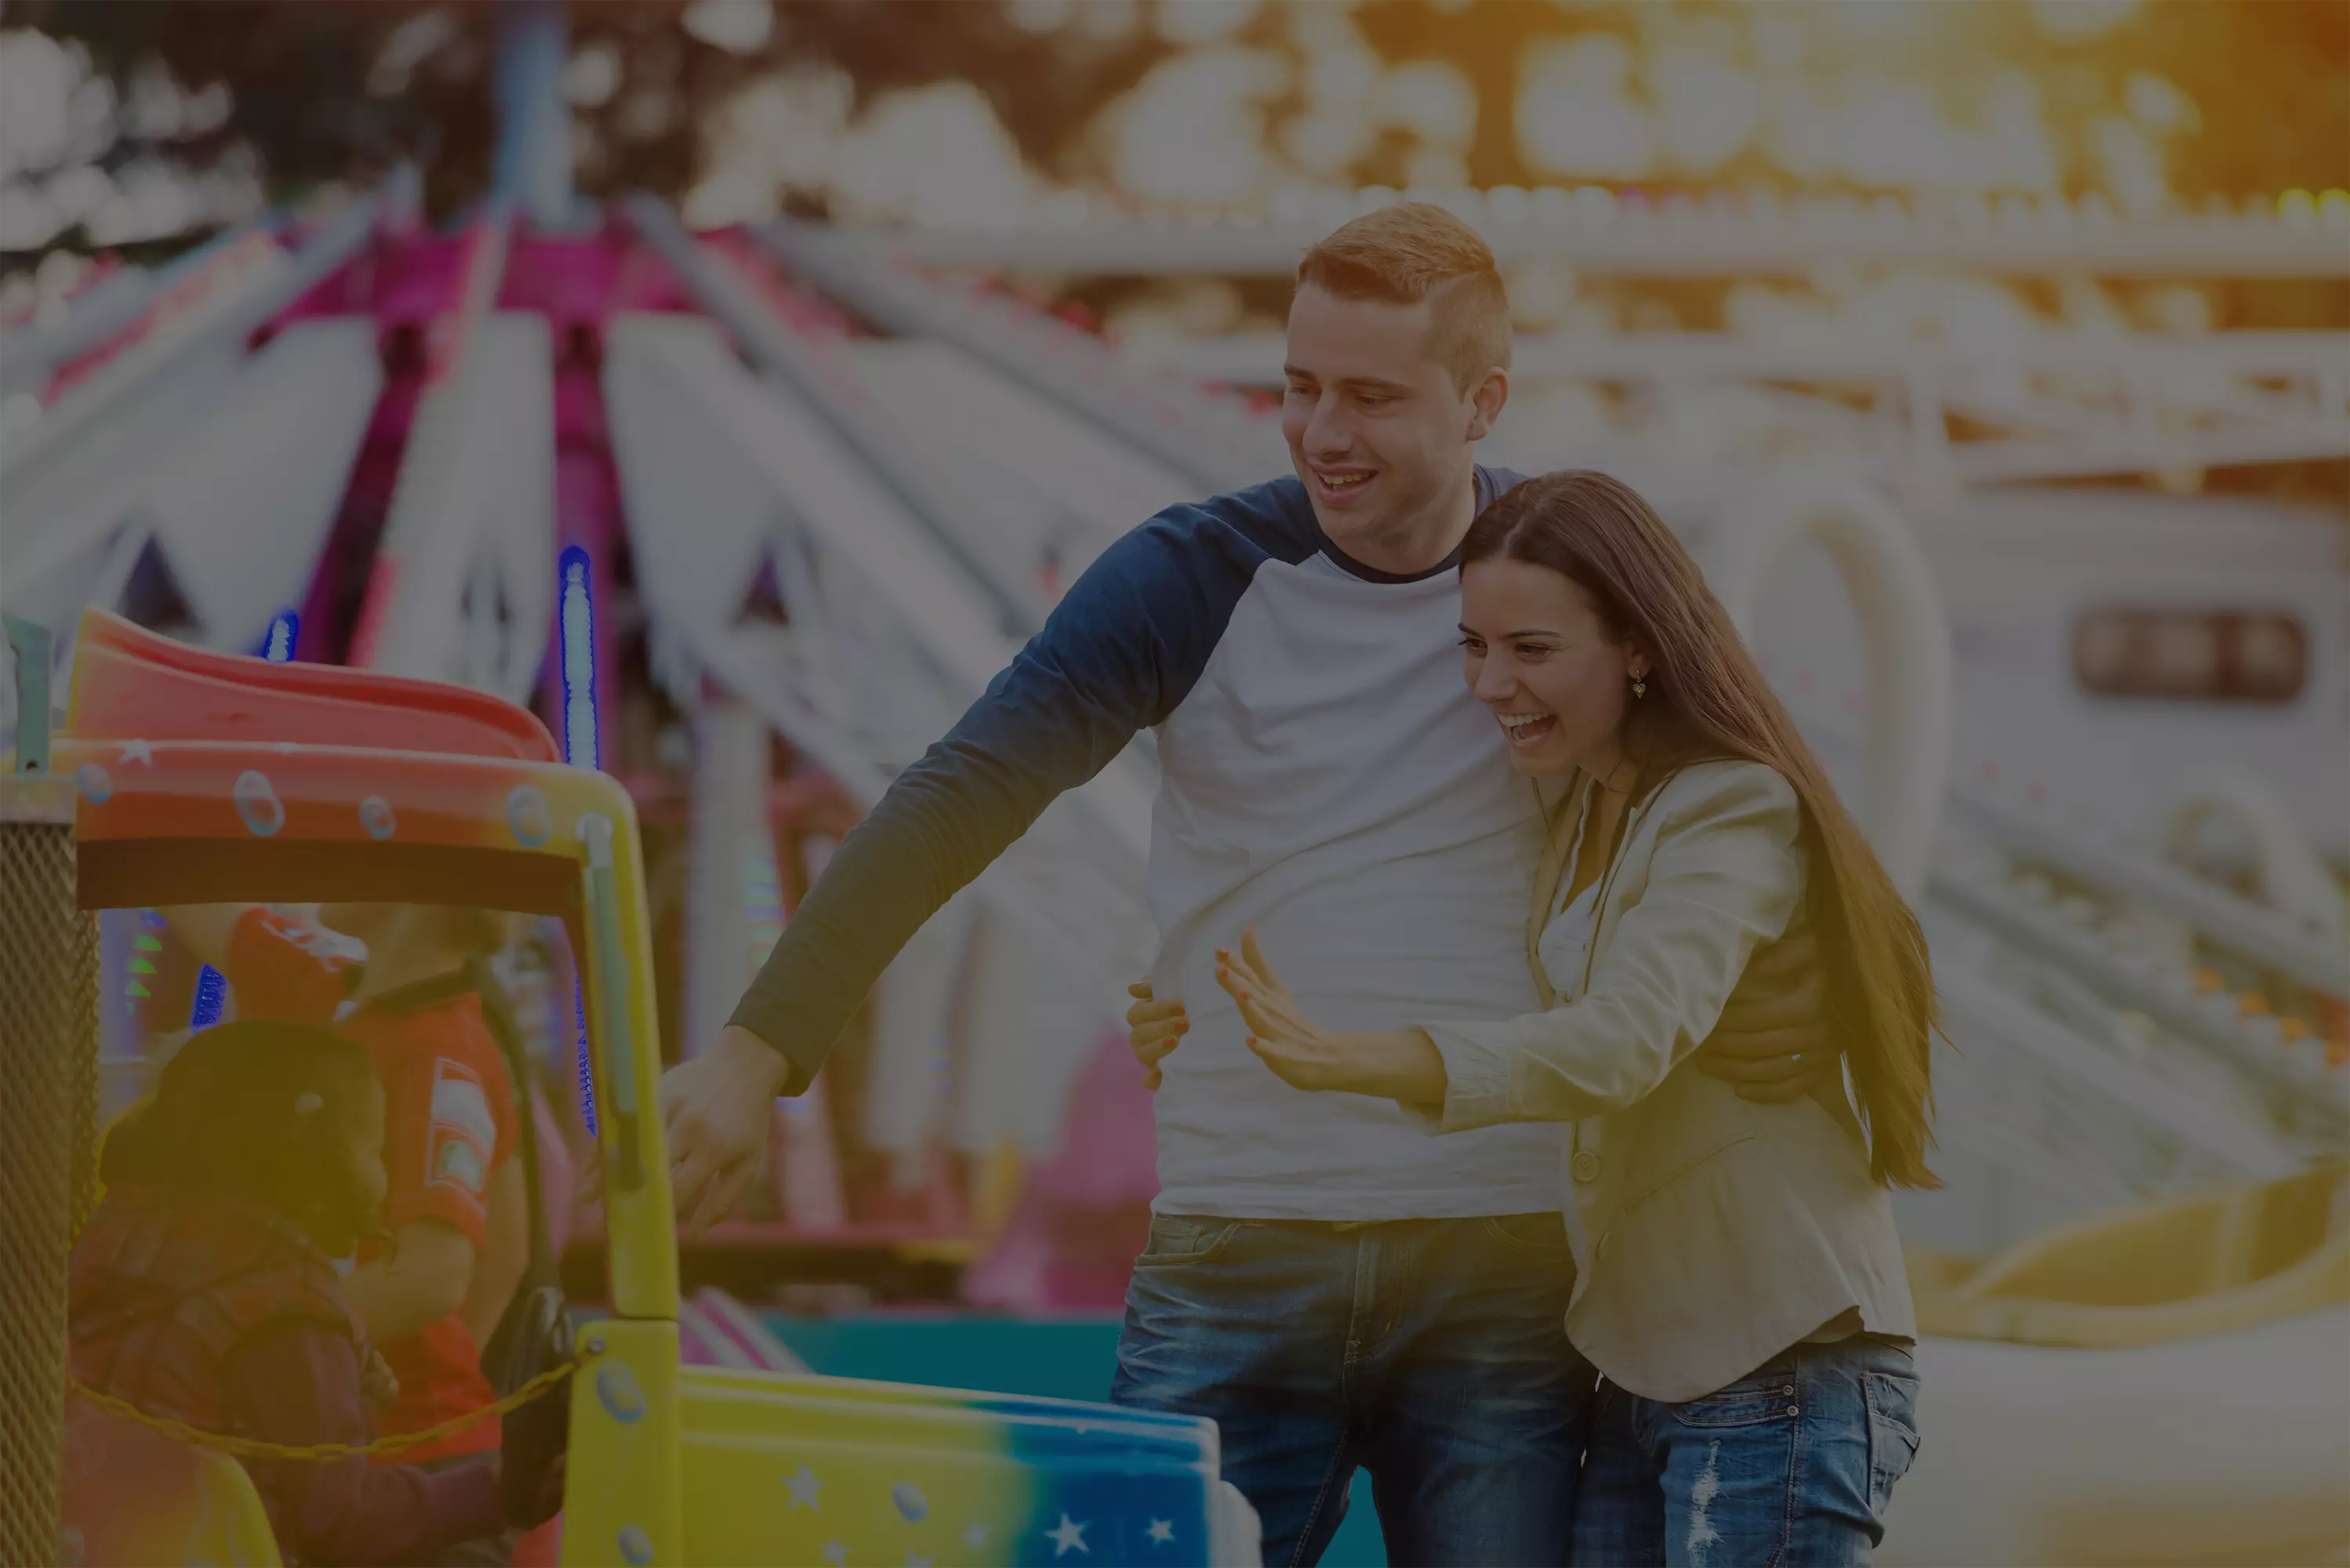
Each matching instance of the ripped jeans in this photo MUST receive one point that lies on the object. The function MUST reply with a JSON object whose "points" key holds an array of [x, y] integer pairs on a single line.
{"points": [[1789, 1467]]}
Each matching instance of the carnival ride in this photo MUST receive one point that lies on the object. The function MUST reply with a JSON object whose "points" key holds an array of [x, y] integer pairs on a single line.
{"points": [[204, 777], [760, 511]]}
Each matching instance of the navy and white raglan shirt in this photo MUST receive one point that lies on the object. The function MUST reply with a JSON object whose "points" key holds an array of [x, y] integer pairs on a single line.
{"points": [[1325, 776]]}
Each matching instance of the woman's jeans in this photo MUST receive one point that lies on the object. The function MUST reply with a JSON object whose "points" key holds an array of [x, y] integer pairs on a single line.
{"points": [[1790, 1466], [1431, 1351]]}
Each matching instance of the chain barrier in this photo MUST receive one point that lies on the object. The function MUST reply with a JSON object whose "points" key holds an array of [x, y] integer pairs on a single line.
{"points": [[254, 1449]]}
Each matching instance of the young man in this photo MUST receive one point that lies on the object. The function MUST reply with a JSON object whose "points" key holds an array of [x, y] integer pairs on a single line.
{"points": [[1330, 1282]]}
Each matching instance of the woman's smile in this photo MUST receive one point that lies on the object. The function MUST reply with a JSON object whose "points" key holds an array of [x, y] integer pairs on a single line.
{"points": [[1526, 728]]}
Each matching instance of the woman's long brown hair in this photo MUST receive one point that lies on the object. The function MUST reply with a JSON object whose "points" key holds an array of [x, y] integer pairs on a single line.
{"points": [[1707, 700]]}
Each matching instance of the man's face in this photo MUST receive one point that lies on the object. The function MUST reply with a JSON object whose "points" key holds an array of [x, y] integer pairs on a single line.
{"points": [[1378, 430]]}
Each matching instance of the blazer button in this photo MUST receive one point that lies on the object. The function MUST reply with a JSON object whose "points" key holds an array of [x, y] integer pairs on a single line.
{"points": [[1585, 1166]]}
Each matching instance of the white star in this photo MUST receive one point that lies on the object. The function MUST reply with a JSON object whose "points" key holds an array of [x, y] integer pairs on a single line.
{"points": [[804, 1489], [1161, 1531], [136, 752], [1069, 1534], [835, 1554], [974, 1535]]}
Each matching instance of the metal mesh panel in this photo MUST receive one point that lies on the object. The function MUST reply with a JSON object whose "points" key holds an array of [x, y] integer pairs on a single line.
{"points": [[48, 1080]]}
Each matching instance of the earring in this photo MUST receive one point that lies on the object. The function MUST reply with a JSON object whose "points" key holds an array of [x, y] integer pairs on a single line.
{"points": [[1639, 684]]}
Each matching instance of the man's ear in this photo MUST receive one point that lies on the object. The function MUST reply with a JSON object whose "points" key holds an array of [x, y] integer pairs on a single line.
{"points": [[1485, 401]]}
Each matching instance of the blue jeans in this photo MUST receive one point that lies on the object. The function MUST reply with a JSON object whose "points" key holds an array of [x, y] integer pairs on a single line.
{"points": [[1430, 1352], [1791, 1465]]}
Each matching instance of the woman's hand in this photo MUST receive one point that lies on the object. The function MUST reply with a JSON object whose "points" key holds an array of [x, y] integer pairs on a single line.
{"points": [[1401, 1064], [1153, 1028], [1299, 1050]]}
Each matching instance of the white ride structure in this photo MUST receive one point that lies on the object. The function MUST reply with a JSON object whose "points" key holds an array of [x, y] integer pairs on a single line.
{"points": [[2068, 405], [459, 589], [1724, 235], [186, 480]]}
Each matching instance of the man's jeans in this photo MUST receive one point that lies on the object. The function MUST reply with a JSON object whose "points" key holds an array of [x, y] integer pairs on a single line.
{"points": [[1431, 1351], [1790, 1464]]}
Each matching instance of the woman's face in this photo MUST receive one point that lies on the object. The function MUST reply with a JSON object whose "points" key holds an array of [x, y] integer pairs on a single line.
{"points": [[1541, 662]]}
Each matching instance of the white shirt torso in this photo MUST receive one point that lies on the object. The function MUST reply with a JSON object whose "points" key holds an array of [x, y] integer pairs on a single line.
{"points": [[1330, 782]]}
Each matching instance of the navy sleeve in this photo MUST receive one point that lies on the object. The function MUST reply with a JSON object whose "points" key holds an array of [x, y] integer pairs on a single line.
{"points": [[1493, 483], [1116, 656]]}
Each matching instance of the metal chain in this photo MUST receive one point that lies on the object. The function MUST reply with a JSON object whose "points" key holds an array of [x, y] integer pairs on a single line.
{"points": [[254, 1449]]}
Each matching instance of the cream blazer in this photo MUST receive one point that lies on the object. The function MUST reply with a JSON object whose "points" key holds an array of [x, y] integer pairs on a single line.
{"points": [[1710, 1232]]}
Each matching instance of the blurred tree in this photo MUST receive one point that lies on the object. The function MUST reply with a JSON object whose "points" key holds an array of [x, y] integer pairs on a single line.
{"points": [[336, 90], [339, 90]]}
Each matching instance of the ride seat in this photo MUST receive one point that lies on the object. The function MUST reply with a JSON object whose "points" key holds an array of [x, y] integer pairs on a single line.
{"points": [[2211, 1265], [135, 1498]]}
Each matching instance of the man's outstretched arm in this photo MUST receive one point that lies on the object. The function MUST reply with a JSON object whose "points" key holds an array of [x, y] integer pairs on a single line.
{"points": [[941, 824], [1118, 654]]}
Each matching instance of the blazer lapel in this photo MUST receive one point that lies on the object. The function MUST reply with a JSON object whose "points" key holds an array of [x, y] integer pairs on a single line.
{"points": [[1562, 823]]}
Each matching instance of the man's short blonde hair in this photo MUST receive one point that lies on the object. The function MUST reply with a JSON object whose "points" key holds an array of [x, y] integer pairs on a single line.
{"points": [[1417, 251]]}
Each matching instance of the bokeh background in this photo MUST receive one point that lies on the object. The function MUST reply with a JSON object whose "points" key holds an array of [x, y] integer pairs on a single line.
{"points": [[736, 384]]}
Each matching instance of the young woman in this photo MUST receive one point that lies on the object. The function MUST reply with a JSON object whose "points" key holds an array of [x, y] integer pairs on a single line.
{"points": [[203, 1289], [1739, 1285]]}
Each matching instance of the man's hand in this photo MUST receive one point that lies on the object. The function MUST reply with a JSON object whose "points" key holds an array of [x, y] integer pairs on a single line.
{"points": [[716, 1109], [1153, 1028], [1772, 1040]]}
